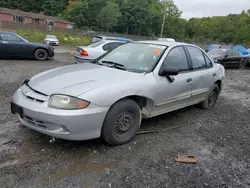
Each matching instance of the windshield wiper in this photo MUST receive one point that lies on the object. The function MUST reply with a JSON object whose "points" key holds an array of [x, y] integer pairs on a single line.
{"points": [[113, 64]]}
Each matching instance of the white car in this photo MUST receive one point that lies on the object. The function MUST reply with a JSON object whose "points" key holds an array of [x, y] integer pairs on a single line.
{"points": [[85, 54], [51, 40]]}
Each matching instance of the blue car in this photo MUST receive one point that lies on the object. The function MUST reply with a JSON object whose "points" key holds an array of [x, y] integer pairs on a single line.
{"points": [[243, 51]]}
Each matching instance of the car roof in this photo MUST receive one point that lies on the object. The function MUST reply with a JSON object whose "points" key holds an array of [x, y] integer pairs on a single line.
{"points": [[165, 43]]}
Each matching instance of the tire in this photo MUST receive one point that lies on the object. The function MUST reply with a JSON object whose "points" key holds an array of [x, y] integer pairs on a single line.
{"points": [[122, 122], [242, 64], [209, 102], [41, 55]]}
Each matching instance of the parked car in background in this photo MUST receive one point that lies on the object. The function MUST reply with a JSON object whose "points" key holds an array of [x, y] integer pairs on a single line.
{"points": [[51, 40], [86, 53], [13, 45], [98, 38], [109, 97], [229, 58], [212, 46], [218, 46]]}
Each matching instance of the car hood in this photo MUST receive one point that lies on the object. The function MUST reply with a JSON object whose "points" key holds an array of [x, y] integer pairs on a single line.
{"points": [[39, 44], [77, 79]]}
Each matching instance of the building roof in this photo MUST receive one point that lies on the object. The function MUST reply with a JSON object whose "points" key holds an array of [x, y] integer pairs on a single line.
{"points": [[32, 15]]}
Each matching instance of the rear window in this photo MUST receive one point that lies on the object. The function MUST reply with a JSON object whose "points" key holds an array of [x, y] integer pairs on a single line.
{"points": [[216, 52], [93, 45], [96, 39]]}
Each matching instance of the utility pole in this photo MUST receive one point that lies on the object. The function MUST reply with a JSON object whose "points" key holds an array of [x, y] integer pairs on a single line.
{"points": [[165, 4], [163, 21]]}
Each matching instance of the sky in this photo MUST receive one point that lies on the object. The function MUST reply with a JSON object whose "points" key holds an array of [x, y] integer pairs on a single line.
{"points": [[206, 8]]}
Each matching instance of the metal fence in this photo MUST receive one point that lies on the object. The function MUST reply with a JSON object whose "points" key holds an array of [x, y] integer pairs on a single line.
{"points": [[9, 25]]}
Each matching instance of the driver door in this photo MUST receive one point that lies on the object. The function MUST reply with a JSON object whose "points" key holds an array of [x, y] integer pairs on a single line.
{"points": [[174, 95], [14, 46]]}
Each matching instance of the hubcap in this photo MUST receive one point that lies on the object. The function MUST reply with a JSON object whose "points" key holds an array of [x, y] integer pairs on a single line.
{"points": [[212, 97], [41, 55], [124, 121], [242, 64]]}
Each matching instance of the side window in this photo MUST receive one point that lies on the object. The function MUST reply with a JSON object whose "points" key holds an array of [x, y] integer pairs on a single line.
{"points": [[114, 45], [197, 58], [208, 61], [177, 58], [230, 53], [10, 37], [106, 47]]}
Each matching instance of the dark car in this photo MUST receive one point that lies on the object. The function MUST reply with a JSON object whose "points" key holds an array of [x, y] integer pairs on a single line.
{"points": [[13, 45], [229, 58]]}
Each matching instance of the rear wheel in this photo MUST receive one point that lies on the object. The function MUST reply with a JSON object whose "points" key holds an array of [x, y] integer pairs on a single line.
{"points": [[41, 55], [242, 64], [122, 122], [211, 98]]}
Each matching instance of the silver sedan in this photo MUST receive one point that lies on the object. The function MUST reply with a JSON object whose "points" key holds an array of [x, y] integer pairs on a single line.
{"points": [[109, 97]]}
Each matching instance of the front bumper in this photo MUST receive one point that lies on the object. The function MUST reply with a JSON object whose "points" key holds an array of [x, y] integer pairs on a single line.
{"points": [[65, 124]]}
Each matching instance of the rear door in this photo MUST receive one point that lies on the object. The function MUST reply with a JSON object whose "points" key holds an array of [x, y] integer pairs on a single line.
{"points": [[203, 74], [15, 46]]}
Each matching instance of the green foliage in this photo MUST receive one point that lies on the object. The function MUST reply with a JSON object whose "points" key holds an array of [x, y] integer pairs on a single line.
{"points": [[141, 17], [109, 15], [50, 7], [233, 29], [37, 36]]}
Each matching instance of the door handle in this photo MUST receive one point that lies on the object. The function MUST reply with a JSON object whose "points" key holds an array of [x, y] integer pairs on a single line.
{"points": [[189, 80], [4, 42], [214, 75]]}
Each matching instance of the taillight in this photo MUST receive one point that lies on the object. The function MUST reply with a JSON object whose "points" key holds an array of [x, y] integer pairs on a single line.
{"points": [[84, 53]]}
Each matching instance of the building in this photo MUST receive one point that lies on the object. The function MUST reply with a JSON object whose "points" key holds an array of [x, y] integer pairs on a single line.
{"points": [[19, 16]]}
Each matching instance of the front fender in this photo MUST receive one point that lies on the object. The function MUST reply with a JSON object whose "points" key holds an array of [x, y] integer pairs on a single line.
{"points": [[109, 95]]}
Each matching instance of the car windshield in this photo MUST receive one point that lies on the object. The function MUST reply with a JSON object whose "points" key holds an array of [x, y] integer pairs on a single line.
{"points": [[217, 52], [93, 45], [51, 37], [136, 57]]}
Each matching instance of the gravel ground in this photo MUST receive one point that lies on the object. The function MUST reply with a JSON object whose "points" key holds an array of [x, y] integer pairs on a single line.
{"points": [[219, 138]]}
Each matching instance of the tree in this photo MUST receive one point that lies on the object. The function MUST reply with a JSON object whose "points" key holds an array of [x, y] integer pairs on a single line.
{"points": [[77, 13], [54, 7], [109, 15]]}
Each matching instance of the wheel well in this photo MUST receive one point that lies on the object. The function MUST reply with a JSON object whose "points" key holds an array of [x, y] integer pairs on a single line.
{"points": [[141, 101], [218, 82], [40, 48]]}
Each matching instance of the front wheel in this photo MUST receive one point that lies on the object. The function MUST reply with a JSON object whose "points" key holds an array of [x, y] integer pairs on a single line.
{"points": [[242, 64], [41, 55], [211, 98], [122, 122]]}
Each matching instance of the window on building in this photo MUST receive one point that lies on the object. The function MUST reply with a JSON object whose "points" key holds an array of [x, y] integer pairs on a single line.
{"points": [[69, 26], [18, 18], [35, 20]]}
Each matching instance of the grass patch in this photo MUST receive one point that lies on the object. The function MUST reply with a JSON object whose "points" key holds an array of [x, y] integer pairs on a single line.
{"points": [[64, 38]]}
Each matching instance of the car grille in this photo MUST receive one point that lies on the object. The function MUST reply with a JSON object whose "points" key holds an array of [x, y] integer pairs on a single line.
{"points": [[34, 95], [34, 122]]}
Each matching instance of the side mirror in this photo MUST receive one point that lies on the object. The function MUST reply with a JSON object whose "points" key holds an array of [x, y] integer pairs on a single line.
{"points": [[226, 55], [168, 71]]}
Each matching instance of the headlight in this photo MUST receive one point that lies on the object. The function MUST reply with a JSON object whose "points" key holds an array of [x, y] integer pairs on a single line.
{"points": [[67, 103]]}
